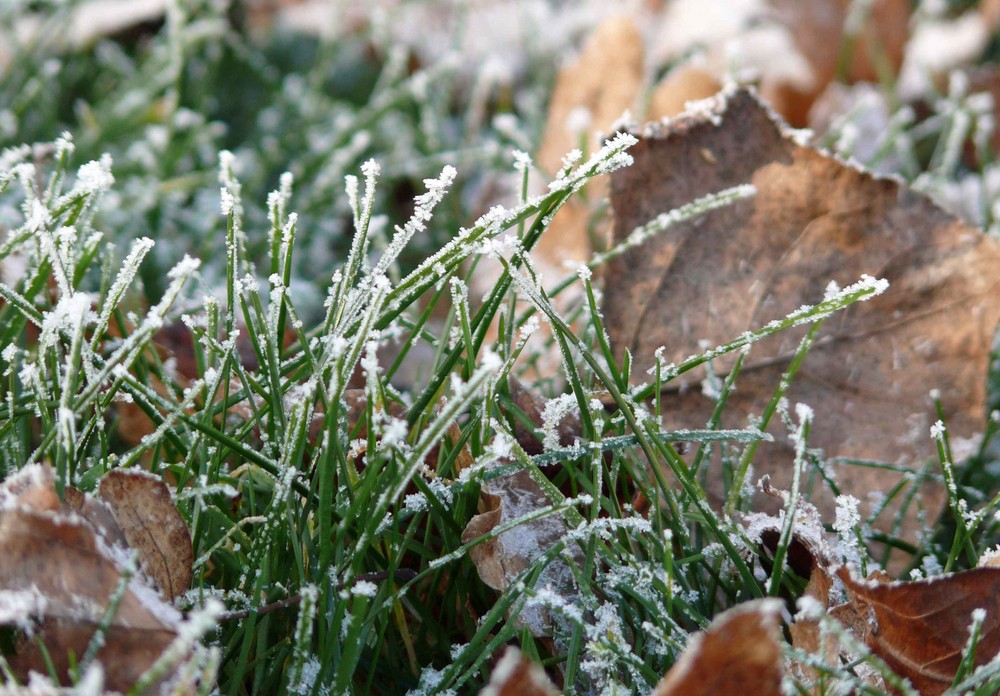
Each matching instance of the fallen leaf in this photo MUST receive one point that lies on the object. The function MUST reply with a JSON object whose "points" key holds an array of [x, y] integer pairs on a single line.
{"points": [[591, 93], [146, 513], [97, 514], [501, 559], [685, 83], [57, 579], [814, 220], [806, 633], [989, 10], [739, 654], [515, 675], [818, 29], [920, 628], [600, 84]]}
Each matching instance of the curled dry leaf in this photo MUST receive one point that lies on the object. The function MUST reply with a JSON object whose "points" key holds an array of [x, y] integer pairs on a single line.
{"points": [[500, 559], [591, 93], [920, 628], [58, 577], [144, 510], [739, 654], [814, 220], [515, 675]]}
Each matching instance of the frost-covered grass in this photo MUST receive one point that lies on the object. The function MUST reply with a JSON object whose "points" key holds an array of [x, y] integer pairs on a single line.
{"points": [[334, 538]]}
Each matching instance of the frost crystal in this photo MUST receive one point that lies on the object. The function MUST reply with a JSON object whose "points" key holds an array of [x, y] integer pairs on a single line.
{"points": [[810, 609], [555, 410], [530, 327], [415, 502], [938, 430], [848, 518], [394, 433], [832, 290], [227, 201], [522, 161], [95, 177], [804, 413], [365, 589]]}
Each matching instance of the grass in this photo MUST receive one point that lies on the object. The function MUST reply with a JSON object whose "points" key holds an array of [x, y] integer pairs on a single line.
{"points": [[335, 541]]}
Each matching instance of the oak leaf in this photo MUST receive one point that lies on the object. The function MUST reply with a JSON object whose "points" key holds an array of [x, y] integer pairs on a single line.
{"points": [[813, 220]]}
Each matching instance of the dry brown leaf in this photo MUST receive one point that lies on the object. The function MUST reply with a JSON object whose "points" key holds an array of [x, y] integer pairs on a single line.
{"points": [[515, 675], [604, 80], [989, 10], [817, 26], [739, 654], [501, 559], [805, 632], [57, 576], [98, 515], [686, 83], [591, 93], [487, 556], [146, 513], [813, 220], [920, 628]]}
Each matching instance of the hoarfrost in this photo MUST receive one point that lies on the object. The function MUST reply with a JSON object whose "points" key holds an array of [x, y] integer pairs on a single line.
{"points": [[938, 431], [552, 414], [95, 177], [810, 608], [522, 160], [848, 518], [364, 588]]}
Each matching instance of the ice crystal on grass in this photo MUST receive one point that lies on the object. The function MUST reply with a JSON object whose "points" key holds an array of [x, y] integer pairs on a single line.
{"points": [[430, 680], [95, 177], [848, 519], [422, 212], [552, 414], [938, 431]]}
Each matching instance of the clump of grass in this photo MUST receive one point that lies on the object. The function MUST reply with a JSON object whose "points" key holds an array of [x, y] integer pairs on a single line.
{"points": [[333, 539]]}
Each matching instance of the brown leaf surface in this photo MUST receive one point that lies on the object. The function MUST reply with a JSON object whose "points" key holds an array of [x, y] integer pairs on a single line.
{"points": [[817, 26], [56, 573], [683, 84], [739, 654], [590, 94], [146, 513], [515, 675], [813, 220], [605, 80], [805, 633], [920, 628], [98, 515], [501, 559]]}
